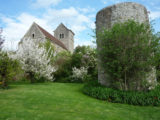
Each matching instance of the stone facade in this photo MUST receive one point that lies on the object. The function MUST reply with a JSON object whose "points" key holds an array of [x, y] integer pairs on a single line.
{"points": [[66, 36], [34, 33], [107, 17], [39, 34], [58, 48], [119, 13]]}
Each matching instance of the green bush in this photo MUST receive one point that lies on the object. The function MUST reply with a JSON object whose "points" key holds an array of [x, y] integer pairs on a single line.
{"points": [[63, 75], [83, 56], [36, 78], [157, 58], [8, 69], [127, 54], [127, 97], [63, 63]]}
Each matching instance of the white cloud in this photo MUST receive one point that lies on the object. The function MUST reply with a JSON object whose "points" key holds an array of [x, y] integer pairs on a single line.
{"points": [[87, 10], [92, 26], [44, 3], [104, 2], [84, 42], [71, 17], [15, 28], [10, 45], [111, 1], [154, 14]]}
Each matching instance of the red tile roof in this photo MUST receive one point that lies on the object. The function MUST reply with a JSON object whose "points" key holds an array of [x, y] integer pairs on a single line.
{"points": [[52, 38]]}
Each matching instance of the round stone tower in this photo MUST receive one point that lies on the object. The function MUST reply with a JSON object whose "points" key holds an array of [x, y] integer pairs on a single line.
{"points": [[119, 13], [107, 17]]}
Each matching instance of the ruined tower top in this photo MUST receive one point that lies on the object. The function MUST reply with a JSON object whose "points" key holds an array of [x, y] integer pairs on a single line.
{"points": [[121, 12]]}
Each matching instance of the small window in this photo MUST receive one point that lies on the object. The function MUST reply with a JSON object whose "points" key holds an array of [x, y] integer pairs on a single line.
{"points": [[61, 36], [32, 35]]}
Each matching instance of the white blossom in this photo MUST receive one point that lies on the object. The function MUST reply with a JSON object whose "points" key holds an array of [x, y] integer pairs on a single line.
{"points": [[79, 73], [34, 58]]}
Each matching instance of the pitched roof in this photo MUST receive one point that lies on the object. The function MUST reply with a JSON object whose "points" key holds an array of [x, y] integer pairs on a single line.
{"points": [[51, 37]]}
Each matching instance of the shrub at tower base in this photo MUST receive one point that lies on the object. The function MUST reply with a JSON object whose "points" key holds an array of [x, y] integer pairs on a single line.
{"points": [[152, 97], [127, 54]]}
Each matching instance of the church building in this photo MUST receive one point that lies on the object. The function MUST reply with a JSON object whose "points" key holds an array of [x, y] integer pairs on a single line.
{"points": [[63, 38]]}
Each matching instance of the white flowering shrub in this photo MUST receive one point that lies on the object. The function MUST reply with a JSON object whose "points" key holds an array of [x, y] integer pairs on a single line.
{"points": [[88, 59], [35, 59], [69, 69], [79, 73]]}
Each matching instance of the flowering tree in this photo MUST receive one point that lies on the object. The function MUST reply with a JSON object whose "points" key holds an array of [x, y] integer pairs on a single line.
{"points": [[87, 59], [1, 39], [79, 73], [81, 66], [35, 59]]}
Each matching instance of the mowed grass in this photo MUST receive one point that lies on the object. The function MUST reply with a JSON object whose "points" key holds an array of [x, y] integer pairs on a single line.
{"points": [[64, 101]]}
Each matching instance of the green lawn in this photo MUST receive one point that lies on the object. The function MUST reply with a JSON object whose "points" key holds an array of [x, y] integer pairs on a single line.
{"points": [[64, 101]]}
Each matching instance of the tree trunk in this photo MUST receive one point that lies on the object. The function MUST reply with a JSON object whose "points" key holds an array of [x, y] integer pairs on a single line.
{"points": [[31, 77], [4, 83]]}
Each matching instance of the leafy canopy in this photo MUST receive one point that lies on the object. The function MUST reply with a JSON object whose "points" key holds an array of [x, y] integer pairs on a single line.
{"points": [[127, 54]]}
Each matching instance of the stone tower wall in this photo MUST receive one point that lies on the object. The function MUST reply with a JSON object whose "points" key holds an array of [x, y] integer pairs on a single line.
{"points": [[107, 17], [71, 42], [68, 39], [119, 13]]}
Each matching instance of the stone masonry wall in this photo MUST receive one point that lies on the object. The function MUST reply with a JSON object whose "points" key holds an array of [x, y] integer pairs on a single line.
{"points": [[37, 33], [68, 39], [107, 17]]}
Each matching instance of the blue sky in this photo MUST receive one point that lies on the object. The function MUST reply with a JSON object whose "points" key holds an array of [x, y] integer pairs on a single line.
{"points": [[16, 16]]}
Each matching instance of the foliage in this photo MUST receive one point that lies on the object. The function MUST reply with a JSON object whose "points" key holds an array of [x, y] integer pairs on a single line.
{"points": [[79, 74], [63, 62], [35, 60], [157, 57], [8, 69], [87, 59], [50, 50], [127, 54], [128, 97], [61, 58], [1, 39], [82, 57]]}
